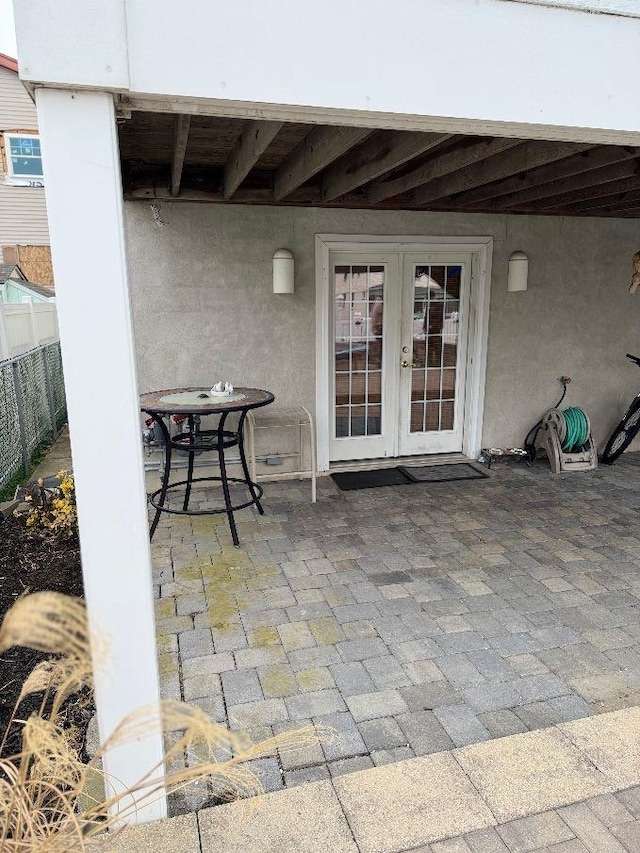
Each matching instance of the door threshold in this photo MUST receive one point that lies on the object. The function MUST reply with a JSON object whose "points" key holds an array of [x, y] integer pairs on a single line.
{"points": [[377, 464]]}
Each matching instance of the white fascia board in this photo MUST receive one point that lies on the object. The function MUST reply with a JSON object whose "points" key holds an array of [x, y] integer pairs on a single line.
{"points": [[497, 62], [71, 43], [471, 59]]}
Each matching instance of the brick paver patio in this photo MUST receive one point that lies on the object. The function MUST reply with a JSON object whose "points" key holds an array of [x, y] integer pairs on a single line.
{"points": [[411, 619]]}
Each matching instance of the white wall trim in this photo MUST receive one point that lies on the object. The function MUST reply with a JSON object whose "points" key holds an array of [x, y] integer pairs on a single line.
{"points": [[482, 248]]}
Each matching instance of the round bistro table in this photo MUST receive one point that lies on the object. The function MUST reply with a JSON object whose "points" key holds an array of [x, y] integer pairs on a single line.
{"points": [[192, 403]]}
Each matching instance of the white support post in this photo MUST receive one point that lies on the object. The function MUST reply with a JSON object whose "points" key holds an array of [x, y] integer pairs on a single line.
{"points": [[84, 202]]}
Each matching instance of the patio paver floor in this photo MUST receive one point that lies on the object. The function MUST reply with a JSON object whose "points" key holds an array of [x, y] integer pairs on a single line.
{"points": [[412, 620]]}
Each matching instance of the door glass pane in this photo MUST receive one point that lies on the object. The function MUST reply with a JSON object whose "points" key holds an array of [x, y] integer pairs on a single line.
{"points": [[358, 340], [436, 320]]}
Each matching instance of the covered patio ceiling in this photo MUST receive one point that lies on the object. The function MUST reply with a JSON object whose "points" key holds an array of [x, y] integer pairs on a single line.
{"points": [[210, 158]]}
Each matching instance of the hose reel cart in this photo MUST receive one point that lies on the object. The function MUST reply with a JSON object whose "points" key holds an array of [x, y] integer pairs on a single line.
{"points": [[565, 436]]}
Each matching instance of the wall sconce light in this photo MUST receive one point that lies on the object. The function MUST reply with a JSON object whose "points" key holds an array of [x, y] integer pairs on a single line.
{"points": [[518, 272], [283, 271]]}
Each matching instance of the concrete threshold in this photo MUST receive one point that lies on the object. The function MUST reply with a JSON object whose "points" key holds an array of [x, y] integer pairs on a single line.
{"points": [[408, 805], [379, 464]]}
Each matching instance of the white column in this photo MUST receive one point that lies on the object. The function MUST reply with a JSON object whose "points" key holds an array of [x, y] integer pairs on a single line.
{"points": [[84, 203]]}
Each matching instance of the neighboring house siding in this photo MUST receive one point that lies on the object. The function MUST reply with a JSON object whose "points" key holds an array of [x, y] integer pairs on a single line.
{"points": [[23, 212], [17, 110], [23, 216]]}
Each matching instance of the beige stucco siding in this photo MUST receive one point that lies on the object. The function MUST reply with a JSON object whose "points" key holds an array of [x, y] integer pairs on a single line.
{"points": [[23, 212], [204, 308]]}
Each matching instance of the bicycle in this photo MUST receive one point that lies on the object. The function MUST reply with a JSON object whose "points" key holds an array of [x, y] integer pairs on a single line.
{"points": [[627, 429]]}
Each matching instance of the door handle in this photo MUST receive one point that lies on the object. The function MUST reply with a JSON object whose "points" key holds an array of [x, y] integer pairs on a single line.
{"points": [[405, 363]]}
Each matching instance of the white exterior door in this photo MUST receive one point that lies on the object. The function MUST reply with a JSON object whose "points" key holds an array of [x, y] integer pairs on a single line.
{"points": [[398, 327], [433, 360]]}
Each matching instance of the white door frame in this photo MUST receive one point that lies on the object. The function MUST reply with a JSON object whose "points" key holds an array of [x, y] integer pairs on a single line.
{"points": [[481, 247]]}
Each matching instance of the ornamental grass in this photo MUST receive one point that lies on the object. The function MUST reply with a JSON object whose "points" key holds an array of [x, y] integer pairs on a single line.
{"points": [[45, 804]]}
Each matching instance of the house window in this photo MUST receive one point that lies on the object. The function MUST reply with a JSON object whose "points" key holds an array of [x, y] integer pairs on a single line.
{"points": [[24, 159]]}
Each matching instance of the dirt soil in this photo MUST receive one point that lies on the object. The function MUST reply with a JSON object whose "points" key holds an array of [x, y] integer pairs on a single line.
{"points": [[31, 563]]}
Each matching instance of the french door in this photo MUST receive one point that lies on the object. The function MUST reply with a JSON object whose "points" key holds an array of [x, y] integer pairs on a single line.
{"points": [[399, 330]]}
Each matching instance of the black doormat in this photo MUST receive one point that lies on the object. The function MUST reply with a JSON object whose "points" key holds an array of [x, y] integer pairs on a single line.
{"points": [[442, 473], [348, 480]]}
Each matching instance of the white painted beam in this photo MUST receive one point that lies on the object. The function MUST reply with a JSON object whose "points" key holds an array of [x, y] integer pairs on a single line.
{"points": [[491, 64], [626, 8], [84, 203], [68, 43], [180, 140], [254, 140]]}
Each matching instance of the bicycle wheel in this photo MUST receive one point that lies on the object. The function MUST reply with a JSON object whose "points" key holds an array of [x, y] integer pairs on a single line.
{"points": [[623, 434]]}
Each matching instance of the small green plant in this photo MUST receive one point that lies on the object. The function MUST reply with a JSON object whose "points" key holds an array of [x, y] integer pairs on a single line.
{"points": [[52, 510]]}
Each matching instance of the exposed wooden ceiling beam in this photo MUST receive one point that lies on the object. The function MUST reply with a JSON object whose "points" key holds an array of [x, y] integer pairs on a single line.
{"points": [[528, 155], [546, 194], [380, 154], [586, 194], [618, 200], [254, 140], [320, 148], [625, 213], [303, 196], [445, 164], [527, 185], [180, 139]]}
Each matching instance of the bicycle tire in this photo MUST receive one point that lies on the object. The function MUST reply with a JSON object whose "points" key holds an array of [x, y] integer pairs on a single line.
{"points": [[623, 434]]}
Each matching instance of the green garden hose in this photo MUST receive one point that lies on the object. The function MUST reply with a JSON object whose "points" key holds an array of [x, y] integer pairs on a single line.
{"points": [[577, 432]]}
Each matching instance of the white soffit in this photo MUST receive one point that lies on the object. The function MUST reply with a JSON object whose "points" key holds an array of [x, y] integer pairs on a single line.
{"points": [[628, 8], [73, 43]]}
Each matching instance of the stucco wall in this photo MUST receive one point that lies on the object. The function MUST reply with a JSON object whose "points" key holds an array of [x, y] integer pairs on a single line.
{"points": [[203, 305]]}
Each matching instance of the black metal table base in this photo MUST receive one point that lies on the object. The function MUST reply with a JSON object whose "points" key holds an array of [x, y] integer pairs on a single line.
{"points": [[193, 443]]}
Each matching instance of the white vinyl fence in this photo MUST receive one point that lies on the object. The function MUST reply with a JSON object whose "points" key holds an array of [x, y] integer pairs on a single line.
{"points": [[32, 410], [26, 325]]}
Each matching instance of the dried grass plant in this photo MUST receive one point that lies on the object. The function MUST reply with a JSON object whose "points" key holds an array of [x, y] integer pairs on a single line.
{"points": [[44, 802]]}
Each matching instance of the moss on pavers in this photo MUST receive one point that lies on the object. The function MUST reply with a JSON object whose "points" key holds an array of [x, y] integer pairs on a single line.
{"points": [[306, 819], [528, 773], [612, 743], [402, 806]]}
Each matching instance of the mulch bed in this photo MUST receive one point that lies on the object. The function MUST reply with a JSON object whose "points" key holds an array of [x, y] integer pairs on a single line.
{"points": [[30, 563]]}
